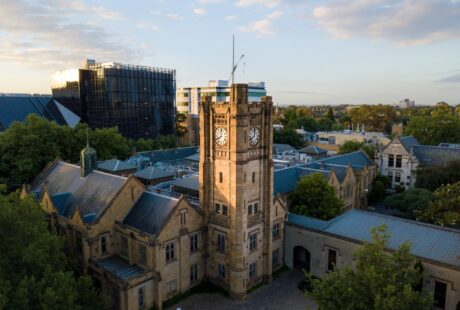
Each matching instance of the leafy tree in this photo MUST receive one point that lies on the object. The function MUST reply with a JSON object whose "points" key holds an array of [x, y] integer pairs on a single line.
{"points": [[330, 115], [445, 209], [379, 281], [374, 117], [434, 129], [288, 136], [412, 203], [34, 272], [181, 129], [353, 146], [377, 192], [325, 124], [314, 197], [432, 177]]}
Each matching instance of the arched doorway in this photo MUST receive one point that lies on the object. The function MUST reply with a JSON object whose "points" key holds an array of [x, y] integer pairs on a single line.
{"points": [[301, 258]]}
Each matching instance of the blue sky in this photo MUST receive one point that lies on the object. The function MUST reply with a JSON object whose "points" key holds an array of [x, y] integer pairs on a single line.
{"points": [[308, 52]]}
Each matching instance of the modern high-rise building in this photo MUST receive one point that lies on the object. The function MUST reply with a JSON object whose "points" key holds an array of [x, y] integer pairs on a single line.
{"points": [[139, 100], [188, 98]]}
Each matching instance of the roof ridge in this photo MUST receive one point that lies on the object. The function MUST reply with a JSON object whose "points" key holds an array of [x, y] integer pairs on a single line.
{"points": [[161, 195]]}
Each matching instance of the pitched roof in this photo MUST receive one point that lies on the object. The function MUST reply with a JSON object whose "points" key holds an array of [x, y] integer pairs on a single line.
{"points": [[313, 150], [120, 267], [115, 165], [285, 180], [190, 182], [62, 202], [435, 155], [150, 212], [427, 241], [408, 142], [17, 108], [91, 195], [358, 158], [152, 173], [340, 170], [170, 154], [281, 148]]}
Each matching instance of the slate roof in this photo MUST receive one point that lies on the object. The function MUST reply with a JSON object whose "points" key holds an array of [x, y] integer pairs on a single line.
{"points": [[358, 158], [120, 267], [115, 165], [312, 150], [17, 108], [435, 155], [281, 148], [194, 157], [150, 212], [91, 195], [170, 154], [340, 170], [285, 180], [152, 173], [62, 202], [189, 182], [428, 241], [408, 142]]}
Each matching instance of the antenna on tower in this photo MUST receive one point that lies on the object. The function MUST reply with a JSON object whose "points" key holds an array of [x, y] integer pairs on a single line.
{"points": [[234, 66]]}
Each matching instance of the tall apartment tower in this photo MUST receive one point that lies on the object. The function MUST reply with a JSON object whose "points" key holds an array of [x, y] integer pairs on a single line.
{"points": [[236, 190]]}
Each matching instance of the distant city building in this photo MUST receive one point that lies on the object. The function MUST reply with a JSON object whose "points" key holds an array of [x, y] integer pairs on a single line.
{"points": [[405, 104], [138, 100], [188, 98], [16, 109], [340, 137]]}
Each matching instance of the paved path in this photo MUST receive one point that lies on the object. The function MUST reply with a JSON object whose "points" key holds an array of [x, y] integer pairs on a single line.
{"points": [[282, 293]]}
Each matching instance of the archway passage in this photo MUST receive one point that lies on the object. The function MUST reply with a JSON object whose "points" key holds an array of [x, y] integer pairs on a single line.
{"points": [[301, 258]]}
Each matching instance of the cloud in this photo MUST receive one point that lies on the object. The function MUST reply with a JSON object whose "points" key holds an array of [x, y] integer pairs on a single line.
{"points": [[198, 11], [98, 10], [230, 17], [267, 3], [451, 79], [263, 27], [46, 35], [148, 26], [406, 22], [210, 1], [171, 16]]}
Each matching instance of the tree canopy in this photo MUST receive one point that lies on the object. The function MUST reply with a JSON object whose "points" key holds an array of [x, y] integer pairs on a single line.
{"points": [[314, 197], [379, 281], [434, 129], [432, 177], [353, 146], [412, 202], [445, 209], [26, 148], [288, 136], [34, 271]]}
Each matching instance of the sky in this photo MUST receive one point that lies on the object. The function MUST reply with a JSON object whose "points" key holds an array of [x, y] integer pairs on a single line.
{"points": [[307, 52]]}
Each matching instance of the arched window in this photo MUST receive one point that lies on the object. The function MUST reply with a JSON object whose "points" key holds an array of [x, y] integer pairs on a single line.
{"points": [[103, 245]]}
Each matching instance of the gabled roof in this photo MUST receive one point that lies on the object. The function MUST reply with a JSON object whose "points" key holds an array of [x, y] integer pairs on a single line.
{"points": [[428, 241], [115, 165], [285, 180], [170, 154], [17, 108], [152, 173], [281, 148], [62, 202], [150, 212], [189, 182], [435, 155], [91, 195], [340, 170], [312, 150], [408, 142], [358, 158]]}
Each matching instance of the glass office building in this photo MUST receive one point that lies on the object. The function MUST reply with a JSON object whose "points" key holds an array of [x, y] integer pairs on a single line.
{"points": [[139, 100]]}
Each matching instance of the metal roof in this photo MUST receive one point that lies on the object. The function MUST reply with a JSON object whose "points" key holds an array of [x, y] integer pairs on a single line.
{"points": [[17, 108], [435, 155], [120, 267], [189, 182], [92, 194], [285, 180], [312, 149], [358, 158], [150, 212], [428, 241], [281, 148], [152, 173], [408, 142], [115, 165], [170, 154]]}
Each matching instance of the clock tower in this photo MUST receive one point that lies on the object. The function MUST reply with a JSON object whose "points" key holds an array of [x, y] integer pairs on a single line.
{"points": [[236, 191]]}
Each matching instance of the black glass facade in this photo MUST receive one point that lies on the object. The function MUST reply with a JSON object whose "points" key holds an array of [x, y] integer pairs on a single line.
{"points": [[140, 101]]}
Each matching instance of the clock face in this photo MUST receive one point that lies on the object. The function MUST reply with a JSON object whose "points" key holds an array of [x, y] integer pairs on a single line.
{"points": [[254, 136], [221, 136]]}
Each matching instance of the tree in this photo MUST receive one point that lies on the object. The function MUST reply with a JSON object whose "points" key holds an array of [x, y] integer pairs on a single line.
{"points": [[330, 115], [181, 128], [412, 203], [314, 197], [434, 129], [34, 272], [288, 136], [379, 281], [432, 177], [353, 146], [445, 209]]}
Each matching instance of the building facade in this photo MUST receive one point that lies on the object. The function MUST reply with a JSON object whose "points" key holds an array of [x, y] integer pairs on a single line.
{"points": [[188, 98], [139, 100]]}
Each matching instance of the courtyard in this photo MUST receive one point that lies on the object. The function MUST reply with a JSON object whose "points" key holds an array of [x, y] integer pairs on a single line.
{"points": [[281, 293]]}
